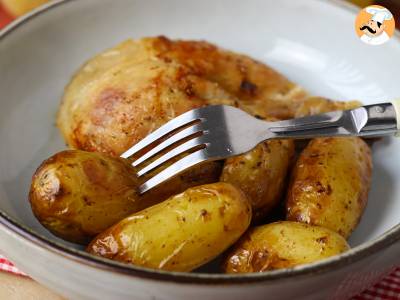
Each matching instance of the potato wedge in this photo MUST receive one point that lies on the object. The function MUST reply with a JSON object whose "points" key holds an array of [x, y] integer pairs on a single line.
{"points": [[181, 233], [282, 245], [330, 184], [77, 194], [261, 174]]}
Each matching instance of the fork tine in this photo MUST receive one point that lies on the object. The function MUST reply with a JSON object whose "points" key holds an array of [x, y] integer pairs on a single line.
{"points": [[167, 156], [175, 123], [176, 168], [168, 142]]}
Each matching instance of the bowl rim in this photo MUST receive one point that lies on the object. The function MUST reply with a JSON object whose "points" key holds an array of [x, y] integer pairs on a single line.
{"points": [[10, 225]]}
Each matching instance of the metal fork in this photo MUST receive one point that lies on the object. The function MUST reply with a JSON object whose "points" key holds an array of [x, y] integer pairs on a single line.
{"points": [[218, 132]]}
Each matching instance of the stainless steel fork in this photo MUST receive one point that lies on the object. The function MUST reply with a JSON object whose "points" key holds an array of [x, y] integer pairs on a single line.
{"points": [[220, 131]]}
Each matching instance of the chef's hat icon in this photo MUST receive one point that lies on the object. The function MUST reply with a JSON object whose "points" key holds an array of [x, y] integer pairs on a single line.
{"points": [[375, 25], [379, 14]]}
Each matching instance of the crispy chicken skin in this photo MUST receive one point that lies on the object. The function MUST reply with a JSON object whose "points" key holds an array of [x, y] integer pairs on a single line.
{"points": [[123, 94], [260, 90], [123, 104], [319, 105]]}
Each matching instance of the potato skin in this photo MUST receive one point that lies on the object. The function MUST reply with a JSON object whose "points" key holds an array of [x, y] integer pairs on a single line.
{"points": [[330, 183], [282, 245], [77, 194], [181, 233], [261, 174]]}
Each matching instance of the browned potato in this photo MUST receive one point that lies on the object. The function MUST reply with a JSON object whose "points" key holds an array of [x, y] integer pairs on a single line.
{"points": [[282, 245], [77, 194], [330, 184], [261, 174], [181, 233]]}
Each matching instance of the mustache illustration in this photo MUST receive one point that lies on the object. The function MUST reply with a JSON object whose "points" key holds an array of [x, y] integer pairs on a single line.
{"points": [[368, 28]]}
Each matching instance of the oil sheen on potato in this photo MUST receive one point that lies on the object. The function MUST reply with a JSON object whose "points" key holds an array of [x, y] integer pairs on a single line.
{"points": [[181, 233]]}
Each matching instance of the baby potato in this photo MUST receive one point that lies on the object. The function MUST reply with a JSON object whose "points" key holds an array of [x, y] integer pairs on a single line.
{"points": [[282, 245], [181, 233], [77, 194], [261, 174], [330, 183]]}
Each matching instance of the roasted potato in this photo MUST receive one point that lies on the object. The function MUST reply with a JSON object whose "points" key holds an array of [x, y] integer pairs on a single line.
{"points": [[77, 194], [282, 245], [330, 183], [261, 174], [181, 233]]}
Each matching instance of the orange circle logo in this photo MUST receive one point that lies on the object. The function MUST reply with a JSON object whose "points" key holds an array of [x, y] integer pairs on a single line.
{"points": [[375, 25]]}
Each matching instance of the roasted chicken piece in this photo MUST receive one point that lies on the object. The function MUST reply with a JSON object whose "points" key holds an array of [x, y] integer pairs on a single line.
{"points": [[117, 107], [123, 94]]}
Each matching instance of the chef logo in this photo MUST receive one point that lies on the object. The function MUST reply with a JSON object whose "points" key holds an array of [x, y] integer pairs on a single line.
{"points": [[375, 25]]}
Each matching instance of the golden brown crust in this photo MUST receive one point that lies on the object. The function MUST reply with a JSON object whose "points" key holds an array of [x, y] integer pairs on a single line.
{"points": [[123, 94], [126, 102], [330, 184], [260, 89], [319, 105]]}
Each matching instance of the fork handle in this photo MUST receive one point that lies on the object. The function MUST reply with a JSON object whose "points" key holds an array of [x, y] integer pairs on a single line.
{"points": [[365, 121], [396, 106]]}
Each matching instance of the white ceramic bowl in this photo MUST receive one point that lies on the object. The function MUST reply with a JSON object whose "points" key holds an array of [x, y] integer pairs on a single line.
{"points": [[312, 42]]}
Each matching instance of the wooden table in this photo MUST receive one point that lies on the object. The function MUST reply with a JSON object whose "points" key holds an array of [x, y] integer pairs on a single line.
{"points": [[21, 288]]}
